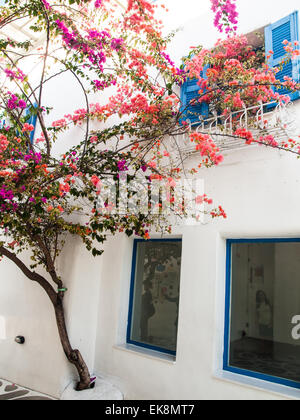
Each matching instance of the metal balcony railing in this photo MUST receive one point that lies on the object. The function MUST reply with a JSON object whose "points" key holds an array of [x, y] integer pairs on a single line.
{"points": [[278, 120]]}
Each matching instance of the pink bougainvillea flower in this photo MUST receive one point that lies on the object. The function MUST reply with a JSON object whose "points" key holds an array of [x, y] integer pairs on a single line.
{"points": [[27, 127]]}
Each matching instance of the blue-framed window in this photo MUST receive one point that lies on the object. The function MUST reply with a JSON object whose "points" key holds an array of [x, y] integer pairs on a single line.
{"points": [[262, 301], [154, 294], [285, 29]]}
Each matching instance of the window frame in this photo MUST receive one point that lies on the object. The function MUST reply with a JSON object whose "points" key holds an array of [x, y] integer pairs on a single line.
{"points": [[227, 324], [131, 297]]}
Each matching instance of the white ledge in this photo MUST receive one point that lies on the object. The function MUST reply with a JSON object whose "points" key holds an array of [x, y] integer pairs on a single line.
{"points": [[253, 383], [150, 354]]}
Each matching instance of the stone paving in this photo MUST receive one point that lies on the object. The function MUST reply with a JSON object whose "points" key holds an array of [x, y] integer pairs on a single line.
{"points": [[9, 391]]}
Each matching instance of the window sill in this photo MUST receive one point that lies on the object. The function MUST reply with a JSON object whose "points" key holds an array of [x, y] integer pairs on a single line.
{"points": [[150, 354], [258, 384]]}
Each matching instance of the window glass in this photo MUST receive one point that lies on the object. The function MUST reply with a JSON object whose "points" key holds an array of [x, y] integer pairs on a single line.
{"points": [[155, 294], [265, 299]]}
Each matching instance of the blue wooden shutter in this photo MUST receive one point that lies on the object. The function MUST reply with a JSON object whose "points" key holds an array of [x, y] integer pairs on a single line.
{"points": [[189, 91], [285, 29], [32, 120]]}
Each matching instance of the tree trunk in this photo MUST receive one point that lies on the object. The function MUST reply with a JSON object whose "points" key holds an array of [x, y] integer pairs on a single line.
{"points": [[74, 356]]}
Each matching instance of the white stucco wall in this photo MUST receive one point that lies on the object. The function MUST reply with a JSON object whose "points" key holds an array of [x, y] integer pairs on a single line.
{"points": [[40, 363], [259, 190], [252, 185]]}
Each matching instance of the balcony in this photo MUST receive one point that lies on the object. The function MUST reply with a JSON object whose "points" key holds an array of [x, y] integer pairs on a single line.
{"points": [[278, 120]]}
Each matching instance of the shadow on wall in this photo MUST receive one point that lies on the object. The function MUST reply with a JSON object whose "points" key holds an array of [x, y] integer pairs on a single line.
{"points": [[2, 327]]}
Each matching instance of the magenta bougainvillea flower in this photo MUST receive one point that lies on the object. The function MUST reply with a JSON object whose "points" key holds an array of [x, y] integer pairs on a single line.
{"points": [[225, 15]]}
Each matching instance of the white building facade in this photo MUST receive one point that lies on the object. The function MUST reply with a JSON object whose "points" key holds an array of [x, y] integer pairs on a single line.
{"points": [[233, 295]]}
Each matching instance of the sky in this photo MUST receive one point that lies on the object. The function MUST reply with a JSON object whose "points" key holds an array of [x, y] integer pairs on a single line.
{"points": [[180, 11]]}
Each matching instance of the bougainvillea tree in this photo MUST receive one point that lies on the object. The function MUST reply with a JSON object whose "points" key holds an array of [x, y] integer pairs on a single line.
{"points": [[118, 55]]}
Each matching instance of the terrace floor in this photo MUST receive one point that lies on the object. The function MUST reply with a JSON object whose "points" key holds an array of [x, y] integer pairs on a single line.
{"points": [[9, 391]]}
